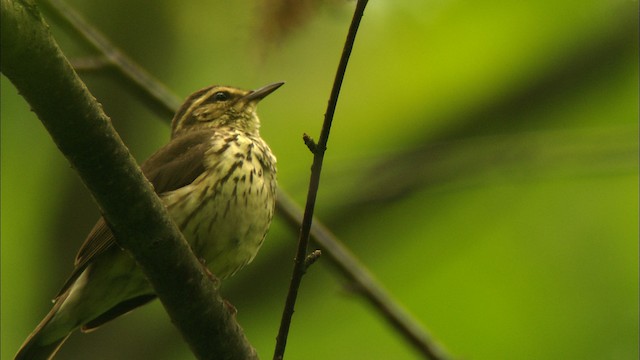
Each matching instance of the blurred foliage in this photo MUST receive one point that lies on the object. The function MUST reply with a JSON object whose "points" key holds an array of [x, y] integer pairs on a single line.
{"points": [[483, 164]]}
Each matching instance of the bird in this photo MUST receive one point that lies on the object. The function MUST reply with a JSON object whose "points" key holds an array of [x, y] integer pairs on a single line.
{"points": [[217, 178]]}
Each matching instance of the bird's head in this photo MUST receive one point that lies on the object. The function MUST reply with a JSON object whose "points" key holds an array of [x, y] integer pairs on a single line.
{"points": [[221, 106]]}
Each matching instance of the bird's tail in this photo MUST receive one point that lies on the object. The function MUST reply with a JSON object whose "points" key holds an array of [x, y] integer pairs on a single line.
{"points": [[39, 346]]}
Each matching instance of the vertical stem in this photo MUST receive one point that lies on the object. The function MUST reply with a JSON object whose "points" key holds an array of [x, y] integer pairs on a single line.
{"points": [[299, 266]]}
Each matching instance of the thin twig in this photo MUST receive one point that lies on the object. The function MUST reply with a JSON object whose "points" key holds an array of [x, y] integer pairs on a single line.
{"points": [[362, 280], [312, 258], [314, 183], [311, 145], [332, 247]]}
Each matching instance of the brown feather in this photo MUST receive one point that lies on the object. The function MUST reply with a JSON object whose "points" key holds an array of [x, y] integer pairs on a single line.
{"points": [[32, 349], [120, 309], [173, 166]]}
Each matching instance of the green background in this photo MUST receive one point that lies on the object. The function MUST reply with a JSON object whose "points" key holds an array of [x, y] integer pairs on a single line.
{"points": [[483, 164]]}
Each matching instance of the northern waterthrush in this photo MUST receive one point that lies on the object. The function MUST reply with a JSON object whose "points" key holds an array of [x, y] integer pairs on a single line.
{"points": [[216, 176]]}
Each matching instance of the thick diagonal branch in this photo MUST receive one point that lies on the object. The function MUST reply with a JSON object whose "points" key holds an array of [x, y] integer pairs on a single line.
{"points": [[31, 59]]}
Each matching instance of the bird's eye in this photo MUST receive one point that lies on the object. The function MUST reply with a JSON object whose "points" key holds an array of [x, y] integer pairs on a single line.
{"points": [[221, 96]]}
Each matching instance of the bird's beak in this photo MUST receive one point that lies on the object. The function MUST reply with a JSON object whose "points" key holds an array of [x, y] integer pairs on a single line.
{"points": [[257, 95]]}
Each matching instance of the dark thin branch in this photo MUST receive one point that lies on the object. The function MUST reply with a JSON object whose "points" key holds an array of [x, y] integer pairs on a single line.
{"points": [[32, 60], [314, 183], [363, 281], [332, 247]]}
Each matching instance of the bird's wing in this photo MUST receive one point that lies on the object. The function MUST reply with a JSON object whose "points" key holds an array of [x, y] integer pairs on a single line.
{"points": [[173, 166]]}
